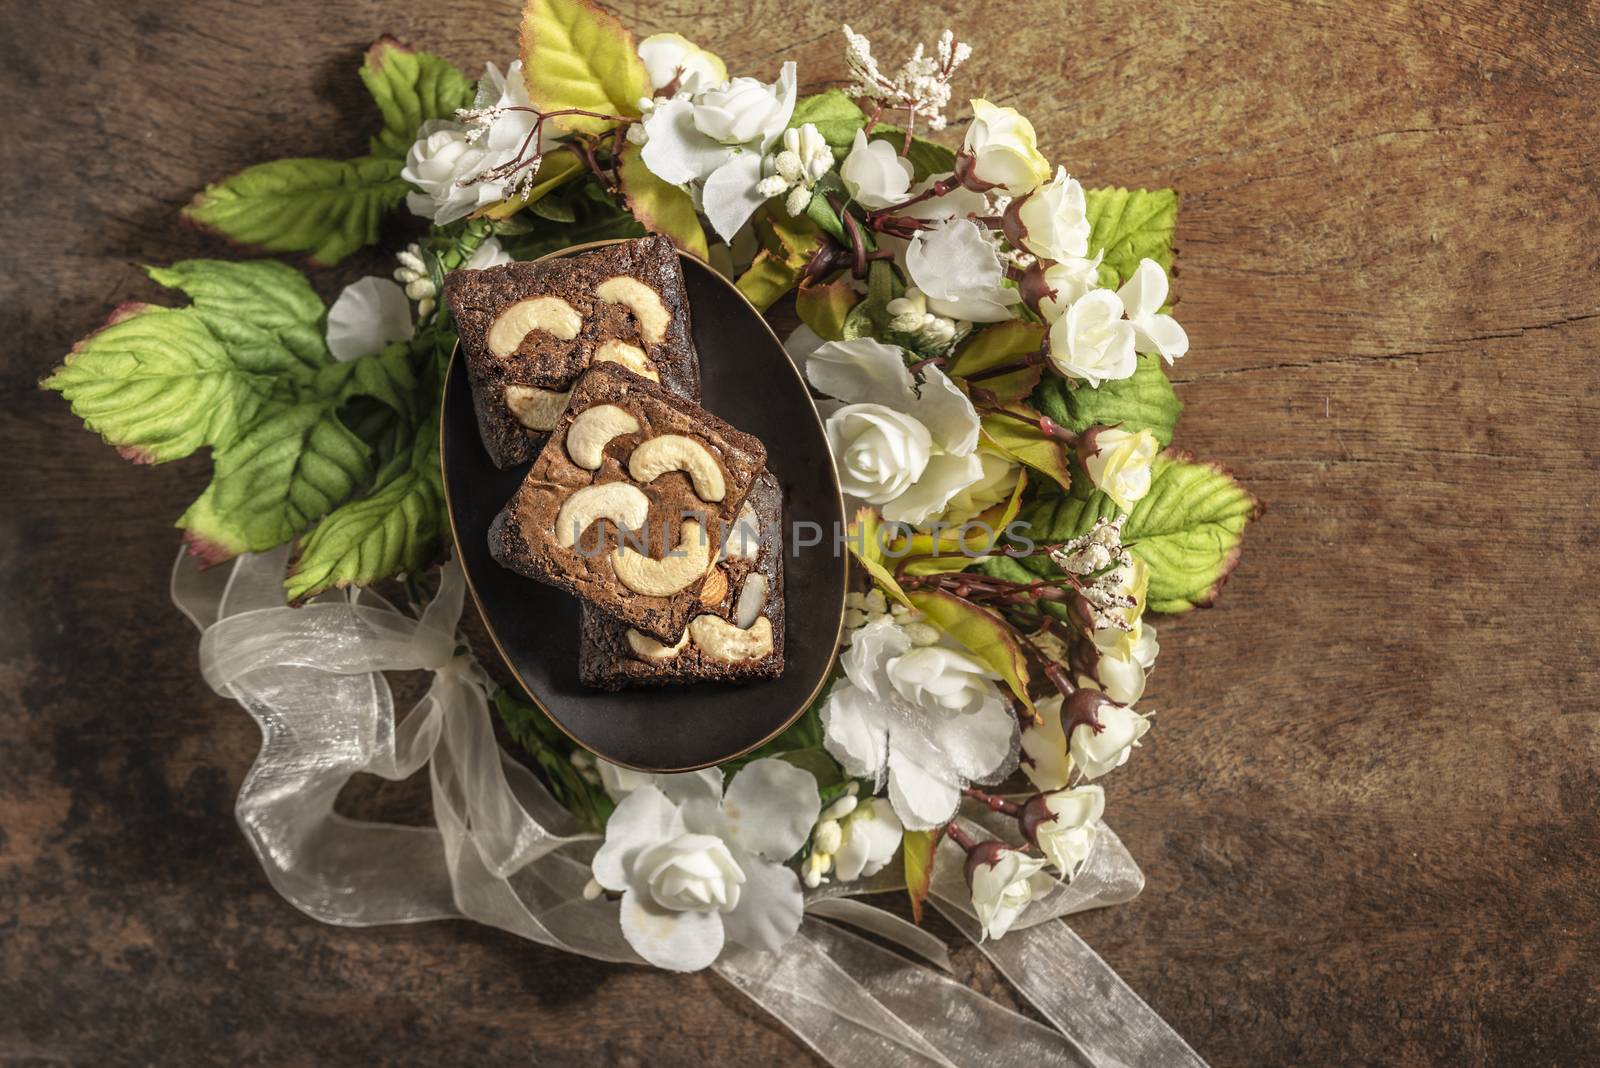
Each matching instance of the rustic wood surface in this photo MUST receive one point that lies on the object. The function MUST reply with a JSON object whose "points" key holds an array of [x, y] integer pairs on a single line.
{"points": [[1370, 812]]}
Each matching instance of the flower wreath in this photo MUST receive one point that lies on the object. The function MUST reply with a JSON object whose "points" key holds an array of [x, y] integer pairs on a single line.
{"points": [[991, 336]]}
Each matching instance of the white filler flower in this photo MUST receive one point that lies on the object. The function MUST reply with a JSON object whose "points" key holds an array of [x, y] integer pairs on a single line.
{"points": [[697, 869], [926, 719]]}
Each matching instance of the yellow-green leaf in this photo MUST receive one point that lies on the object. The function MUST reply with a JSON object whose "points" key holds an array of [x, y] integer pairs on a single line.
{"points": [[823, 308], [951, 551], [1027, 444], [866, 547], [767, 279], [659, 207], [984, 633], [997, 346], [576, 56], [917, 853]]}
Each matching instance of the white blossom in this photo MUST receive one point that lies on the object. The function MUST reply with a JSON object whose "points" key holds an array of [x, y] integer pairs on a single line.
{"points": [[1068, 279], [368, 315], [854, 838], [956, 264], [1054, 219], [902, 722], [1066, 830], [1154, 331], [696, 869], [1096, 752], [875, 174], [797, 167], [1003, 886]]}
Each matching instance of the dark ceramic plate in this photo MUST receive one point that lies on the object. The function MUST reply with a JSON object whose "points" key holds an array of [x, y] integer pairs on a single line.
{"points": [[747, 379]]}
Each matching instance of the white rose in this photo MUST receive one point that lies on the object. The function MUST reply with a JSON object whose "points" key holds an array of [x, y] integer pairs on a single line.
{"points": [[1095, 753], [619, 781], [875, 174], [1062, 825], [1118, 462], [1143, 295], [1067, 280], [1003, 886], [1002, 150], [437, 163], [1092, 340], [1054, 220], [956, 265], [672, 57], [934, 677], [692, 873], [872, 833], [879, 452], [741, 111]]}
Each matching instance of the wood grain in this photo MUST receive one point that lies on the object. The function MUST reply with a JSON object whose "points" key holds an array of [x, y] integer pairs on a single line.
{"points": [[1370, 810]]}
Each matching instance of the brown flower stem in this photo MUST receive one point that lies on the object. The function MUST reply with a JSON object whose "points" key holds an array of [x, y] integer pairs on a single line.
{"points": [[996, 804], [960, 837]]}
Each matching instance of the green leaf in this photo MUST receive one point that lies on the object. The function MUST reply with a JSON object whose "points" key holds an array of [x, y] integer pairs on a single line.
{"points": [[410, 87], [824, 308], [157, 384], [1188, 529], [1027, 444], [298, 461], [396, 528], [985, 634], [835, 116], [599, 218], [326, 208], [576, 56], [1145, 401], [927, 157], [1131, 225], [660, 207], [918, 849], [264, 312]]}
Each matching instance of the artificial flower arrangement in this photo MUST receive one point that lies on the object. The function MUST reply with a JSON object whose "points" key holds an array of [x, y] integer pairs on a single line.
{"points": [[989, 337]]}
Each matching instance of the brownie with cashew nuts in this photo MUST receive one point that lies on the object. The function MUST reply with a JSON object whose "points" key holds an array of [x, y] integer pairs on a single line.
{"points": [[626, 504], [528, 330], [736, 634]]}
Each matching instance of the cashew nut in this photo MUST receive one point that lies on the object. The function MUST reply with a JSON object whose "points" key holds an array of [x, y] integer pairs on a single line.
{"points": [[630, 356], [647, 647], [673, 572], [622, 503], [644, 302], [592, 428], [721, 640], [537, 409], [551, 314], [674, 452], [752, 599]]}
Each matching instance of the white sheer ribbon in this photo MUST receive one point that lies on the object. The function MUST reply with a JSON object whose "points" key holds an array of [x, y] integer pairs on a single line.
{"points": [[503, 852]]}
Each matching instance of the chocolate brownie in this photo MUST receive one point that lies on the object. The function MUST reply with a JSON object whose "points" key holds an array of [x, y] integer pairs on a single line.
{"points": [[626, 503], [715, 647], [528, 330]]}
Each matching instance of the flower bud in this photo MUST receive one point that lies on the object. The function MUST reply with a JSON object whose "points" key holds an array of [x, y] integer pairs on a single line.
{"points": [[1061, 825], [827, 837], [1118, 462]]}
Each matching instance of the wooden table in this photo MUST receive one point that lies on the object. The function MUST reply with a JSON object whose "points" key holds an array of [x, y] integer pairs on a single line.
{"points": [[1370, 811]]}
